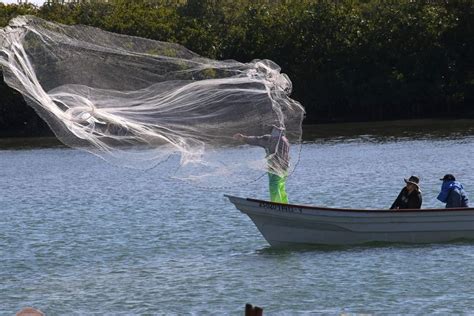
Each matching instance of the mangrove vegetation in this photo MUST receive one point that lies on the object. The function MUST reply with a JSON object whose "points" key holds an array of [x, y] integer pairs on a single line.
{"points": [[351, 60]]}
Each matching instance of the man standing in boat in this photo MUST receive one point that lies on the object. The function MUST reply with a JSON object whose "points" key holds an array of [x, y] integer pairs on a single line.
{"points": [[452, 192], [277, 148], [410, 196]]}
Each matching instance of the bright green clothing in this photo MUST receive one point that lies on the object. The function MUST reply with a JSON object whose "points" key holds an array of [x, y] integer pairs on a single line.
{"points": [[277, 188], [277, 149]]}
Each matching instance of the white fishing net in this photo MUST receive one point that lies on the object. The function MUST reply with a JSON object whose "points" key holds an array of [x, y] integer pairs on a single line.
{"points": [[136, 102]]}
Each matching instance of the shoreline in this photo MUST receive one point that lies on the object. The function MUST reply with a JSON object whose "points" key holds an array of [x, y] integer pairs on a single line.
{"points": [[384, 129]]}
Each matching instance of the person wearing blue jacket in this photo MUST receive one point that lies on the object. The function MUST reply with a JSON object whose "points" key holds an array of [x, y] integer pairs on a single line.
{"points": [[452, 192]]}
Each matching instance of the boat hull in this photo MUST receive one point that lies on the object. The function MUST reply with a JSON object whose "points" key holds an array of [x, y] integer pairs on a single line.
{"points": [[287, 225]]}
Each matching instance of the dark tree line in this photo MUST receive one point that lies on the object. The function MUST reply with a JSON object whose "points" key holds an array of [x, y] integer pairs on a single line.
{"points": [[351, 60]]}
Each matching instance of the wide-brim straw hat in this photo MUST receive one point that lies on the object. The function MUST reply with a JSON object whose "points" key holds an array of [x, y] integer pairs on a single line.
{"points": [[413, 180]]}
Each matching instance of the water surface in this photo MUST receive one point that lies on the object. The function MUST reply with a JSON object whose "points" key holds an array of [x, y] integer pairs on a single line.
{"points": [[80, 236]]}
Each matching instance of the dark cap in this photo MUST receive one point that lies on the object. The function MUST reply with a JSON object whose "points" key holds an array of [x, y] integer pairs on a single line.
{"points": [[448, 177]]}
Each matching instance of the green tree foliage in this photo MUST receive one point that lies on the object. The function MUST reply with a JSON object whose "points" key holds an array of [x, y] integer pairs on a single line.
{"points": [[349, 59]]}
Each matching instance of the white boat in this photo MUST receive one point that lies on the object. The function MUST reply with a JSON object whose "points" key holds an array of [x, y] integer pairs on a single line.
{"points": [[290, 224]]}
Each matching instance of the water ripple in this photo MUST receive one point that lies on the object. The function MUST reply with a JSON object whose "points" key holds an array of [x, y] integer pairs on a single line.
{"points": [[79, 236]]}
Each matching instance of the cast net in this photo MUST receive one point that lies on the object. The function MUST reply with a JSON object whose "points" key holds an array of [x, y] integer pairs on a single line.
{"points": [[137, 102]]}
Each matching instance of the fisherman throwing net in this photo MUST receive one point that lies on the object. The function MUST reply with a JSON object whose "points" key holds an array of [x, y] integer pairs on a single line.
{"points": [[136, 102]]}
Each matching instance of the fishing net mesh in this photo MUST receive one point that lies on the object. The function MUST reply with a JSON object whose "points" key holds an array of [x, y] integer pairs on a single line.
{"points": [[137, 102]]}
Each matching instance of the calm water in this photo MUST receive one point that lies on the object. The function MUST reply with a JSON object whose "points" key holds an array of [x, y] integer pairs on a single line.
{"points": [[79, 236]]}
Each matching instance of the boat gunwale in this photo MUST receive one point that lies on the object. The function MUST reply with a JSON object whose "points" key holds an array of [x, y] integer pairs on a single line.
{"points": [[322, 208]]}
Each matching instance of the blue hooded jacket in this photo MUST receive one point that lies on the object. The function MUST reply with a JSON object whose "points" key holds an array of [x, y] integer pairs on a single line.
{"points": [[453, 194]]}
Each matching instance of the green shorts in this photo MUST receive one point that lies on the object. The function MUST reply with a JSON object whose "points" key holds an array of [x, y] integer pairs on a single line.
{"points": [[277, 186]]}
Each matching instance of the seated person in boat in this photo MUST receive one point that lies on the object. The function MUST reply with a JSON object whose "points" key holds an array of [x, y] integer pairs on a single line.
{"points": [[410, 196], [277, 148], [452, 192]]}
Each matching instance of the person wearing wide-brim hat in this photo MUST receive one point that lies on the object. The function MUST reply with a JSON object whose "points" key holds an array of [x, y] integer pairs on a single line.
{"points": [[410, 195]]}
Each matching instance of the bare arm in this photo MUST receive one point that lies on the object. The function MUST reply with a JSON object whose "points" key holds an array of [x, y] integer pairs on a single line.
{"points": [[261, 141]]}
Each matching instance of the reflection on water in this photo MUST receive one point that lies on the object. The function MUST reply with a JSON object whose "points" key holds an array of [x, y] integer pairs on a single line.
{"points": [[390, 130], [293, 249], [28, 143], [346, 132]]}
